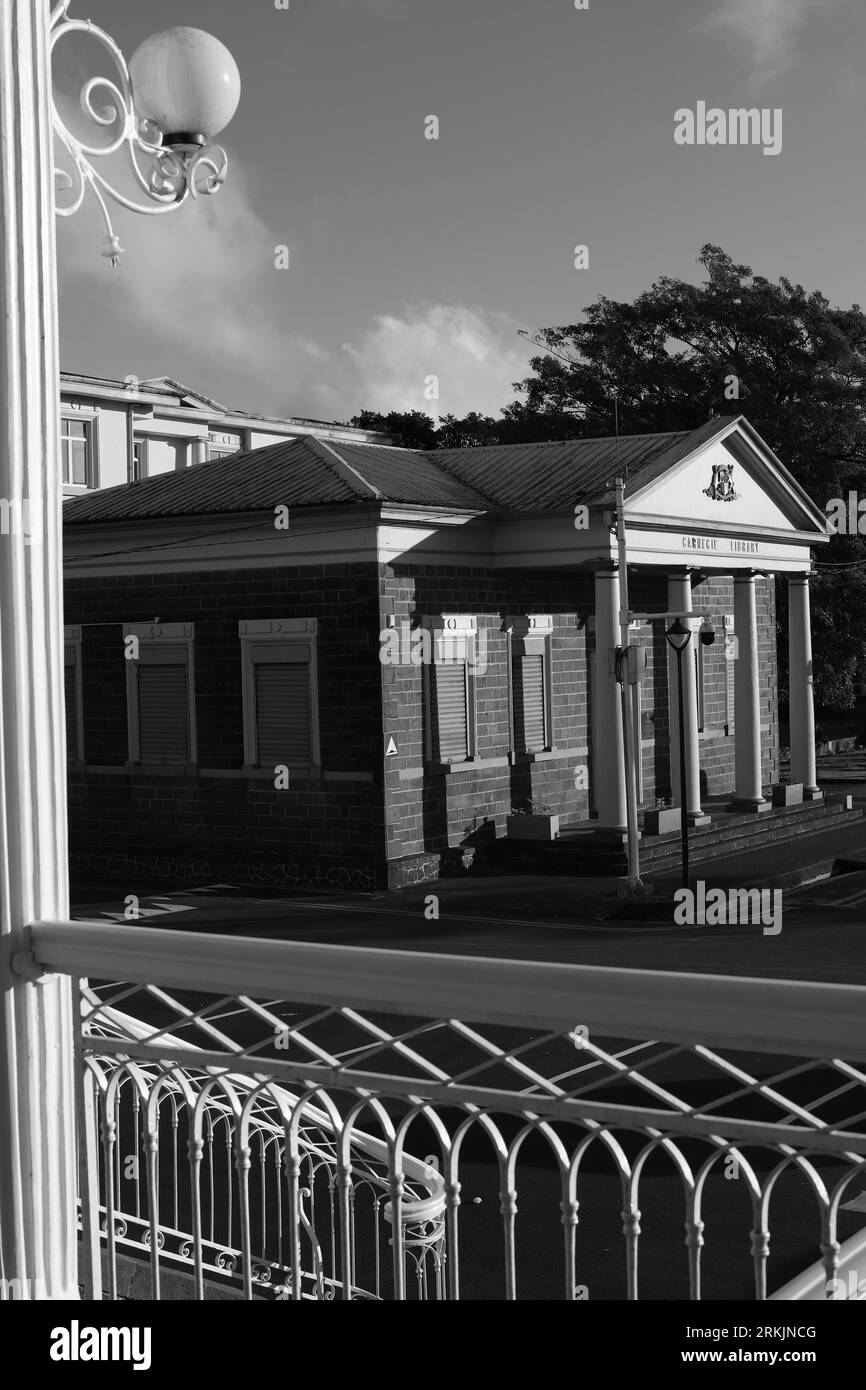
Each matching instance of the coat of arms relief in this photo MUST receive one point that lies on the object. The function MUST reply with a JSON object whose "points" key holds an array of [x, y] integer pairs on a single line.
{"points": [[721, 488]]}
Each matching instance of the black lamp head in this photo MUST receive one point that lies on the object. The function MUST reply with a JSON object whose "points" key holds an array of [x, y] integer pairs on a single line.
{"points": [[678, 635]]}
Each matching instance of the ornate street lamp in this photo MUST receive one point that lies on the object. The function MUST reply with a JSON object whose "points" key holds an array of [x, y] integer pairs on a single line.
{"points": [[179, 90], [184, 88], [678, 637]]}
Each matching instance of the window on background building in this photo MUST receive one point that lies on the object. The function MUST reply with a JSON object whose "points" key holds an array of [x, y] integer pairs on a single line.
{"points": [[530, 687], [76, 451], [450, 689], [160, 690], [73, 695], [280, 693], [222, 446], [139, 460]]}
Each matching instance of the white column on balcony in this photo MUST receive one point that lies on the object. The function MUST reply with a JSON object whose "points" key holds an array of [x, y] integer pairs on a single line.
{"points": [[800, 683], [607, 734], [680, 601], [747, 697], [38, 1242]]}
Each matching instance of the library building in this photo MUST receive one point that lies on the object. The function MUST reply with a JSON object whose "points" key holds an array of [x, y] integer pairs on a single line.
{"points": [[330, 662]]}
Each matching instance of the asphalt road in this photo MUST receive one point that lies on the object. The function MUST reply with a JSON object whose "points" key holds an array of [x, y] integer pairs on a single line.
{"points": [[823, 933]]}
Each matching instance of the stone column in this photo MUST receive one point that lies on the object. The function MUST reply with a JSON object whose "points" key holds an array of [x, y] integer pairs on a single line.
{"points": [[748, 794], [800, 682], [680, 601], [38, 1180], [608, 771]]}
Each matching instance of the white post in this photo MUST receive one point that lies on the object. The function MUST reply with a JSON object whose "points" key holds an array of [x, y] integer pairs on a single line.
{"points": [[627, 695], [800, 685], [609, 754], [680, 601], [749, 793], [38, 1241]]}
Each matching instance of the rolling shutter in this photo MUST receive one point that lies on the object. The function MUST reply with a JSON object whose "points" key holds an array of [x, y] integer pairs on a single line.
{"points": [[73, 752], [527, 673], [730, 671], [284, 733], [699, 680], [163, 713], [451, 711]]}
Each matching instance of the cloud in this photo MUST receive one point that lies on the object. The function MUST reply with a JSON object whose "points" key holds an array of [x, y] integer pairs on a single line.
{"points": [[196, 295], [475, 357], [768, 31]]}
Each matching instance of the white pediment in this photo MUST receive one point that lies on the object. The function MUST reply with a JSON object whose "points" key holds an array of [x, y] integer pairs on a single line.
{"points": [[729, 485]]}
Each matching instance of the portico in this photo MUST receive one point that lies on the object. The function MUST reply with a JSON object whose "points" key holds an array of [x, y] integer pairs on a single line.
{"points": [[727, 511]]}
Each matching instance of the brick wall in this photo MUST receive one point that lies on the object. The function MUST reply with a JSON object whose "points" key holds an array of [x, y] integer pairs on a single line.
{"points": [[315, 831], [449, 813], [368, 812]]}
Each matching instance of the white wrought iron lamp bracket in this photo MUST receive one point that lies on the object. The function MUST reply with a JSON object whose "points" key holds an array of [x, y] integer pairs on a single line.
{"points": [[174, 175]]}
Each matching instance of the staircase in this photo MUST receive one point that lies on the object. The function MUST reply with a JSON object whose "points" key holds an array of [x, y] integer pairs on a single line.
{"points": [[579, 851]]}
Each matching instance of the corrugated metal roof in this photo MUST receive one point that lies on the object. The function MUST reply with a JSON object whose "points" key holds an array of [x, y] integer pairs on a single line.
{"points": [[411, 477], [308, 472], [545, 477]]}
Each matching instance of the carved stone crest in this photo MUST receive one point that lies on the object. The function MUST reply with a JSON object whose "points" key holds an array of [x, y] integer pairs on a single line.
{"points": [[721, 488]]}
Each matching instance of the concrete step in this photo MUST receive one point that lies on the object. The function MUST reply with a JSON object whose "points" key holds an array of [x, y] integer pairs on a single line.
{"points": [[578, 851]]}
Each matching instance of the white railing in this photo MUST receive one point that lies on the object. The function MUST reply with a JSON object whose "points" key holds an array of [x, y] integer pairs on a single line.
{"points": [[253, 1111]]}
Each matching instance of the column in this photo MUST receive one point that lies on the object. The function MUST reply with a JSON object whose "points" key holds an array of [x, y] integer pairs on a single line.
{"points": [[748, 794], [38, 1180], [680, 601], [608, 770], [800, 683]]}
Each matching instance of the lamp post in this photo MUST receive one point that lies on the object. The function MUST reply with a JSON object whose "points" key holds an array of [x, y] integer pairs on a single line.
{"points": [[38, 1178], [678, 636]]}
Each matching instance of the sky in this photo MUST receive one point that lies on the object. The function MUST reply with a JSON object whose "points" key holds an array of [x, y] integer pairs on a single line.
{"points": [[412, 258]]}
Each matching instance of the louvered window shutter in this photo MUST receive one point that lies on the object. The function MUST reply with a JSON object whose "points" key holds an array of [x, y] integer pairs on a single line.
{"points": [[284, 726], [163, 712], [73, 752], [699, 680], [730, 669], [451, 711], [729, 695], [527, 672]]}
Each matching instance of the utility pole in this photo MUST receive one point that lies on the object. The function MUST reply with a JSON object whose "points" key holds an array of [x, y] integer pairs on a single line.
{"points": [[631, 751]]}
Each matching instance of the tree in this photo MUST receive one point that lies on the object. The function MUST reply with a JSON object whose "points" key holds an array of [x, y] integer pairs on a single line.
{"points": [[794, 365], [410, 429]]}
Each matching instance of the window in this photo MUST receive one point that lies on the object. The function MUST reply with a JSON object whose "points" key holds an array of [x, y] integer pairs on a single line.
{"points": [[76, 449], [139, 460], [450, 689], [699, 677], [530, 688], [280, 693], [160, 686], [730, 655], [222, 445], [73, 695]]}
